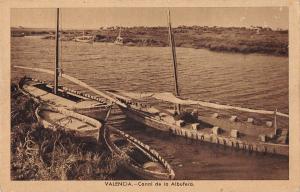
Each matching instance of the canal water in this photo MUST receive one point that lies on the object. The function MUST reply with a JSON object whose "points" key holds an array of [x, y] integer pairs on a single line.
{"points": [[252, 81]]}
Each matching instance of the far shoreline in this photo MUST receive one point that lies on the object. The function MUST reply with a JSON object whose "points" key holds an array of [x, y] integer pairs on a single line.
{"points": [[218, 39]]}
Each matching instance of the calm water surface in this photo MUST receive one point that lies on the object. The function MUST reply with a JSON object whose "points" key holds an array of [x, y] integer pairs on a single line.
{"points": [[254, 81]]}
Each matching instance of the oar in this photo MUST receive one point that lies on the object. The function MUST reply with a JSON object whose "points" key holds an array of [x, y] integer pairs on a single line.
{"points": [[76, 81]]}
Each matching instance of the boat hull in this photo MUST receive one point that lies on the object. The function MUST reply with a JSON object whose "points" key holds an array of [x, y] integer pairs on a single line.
{"points": [[83, 41], [146, 175], [261, 147], [125, 159], [56, 118], [118, 43], [90, 106], [98, 113], [148, 121]]}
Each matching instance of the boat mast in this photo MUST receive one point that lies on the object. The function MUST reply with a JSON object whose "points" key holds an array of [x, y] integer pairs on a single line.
{"points": [[56, 70], [172, 45], [275, 122]]}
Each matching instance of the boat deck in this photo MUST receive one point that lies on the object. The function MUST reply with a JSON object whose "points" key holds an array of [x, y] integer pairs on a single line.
{"points": [[47, 96], [68, 122], [248, 132]]}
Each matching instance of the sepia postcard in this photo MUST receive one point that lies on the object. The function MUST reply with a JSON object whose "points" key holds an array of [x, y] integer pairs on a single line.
{"points": [[150, 96]]}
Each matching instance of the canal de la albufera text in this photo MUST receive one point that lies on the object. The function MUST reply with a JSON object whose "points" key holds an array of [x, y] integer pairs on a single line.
{"points": [[148, 183]]}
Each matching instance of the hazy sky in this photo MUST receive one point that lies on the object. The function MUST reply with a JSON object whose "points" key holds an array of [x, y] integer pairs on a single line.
{"points": [[79, 18]]}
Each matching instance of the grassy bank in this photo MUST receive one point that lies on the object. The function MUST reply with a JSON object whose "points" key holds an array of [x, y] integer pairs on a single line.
{"points": [[42, 154], [230, 39], [240, 40]]}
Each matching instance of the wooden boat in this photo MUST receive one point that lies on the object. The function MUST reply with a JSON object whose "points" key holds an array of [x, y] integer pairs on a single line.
{"points": [[18, 34], [57, 111], [55, 118], [136, 156], [85, 104], [84, 38], [61, 96], [209, 129]]}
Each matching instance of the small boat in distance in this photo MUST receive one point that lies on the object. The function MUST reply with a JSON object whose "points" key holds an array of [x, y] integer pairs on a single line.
{"points": [[119, 40], [212, 129], [18, 34], [84, 38]]}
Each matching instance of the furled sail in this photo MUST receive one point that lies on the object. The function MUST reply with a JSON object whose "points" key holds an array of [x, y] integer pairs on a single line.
{"points": [[169, 97], [76, 81]]}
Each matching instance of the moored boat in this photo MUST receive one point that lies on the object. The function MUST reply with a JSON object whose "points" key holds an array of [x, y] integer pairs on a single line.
{"points": [[267, 139], [18, 34], [79, 102], [56, 118], [84, 39], [212, 129], [60, 96], [136, 156]]}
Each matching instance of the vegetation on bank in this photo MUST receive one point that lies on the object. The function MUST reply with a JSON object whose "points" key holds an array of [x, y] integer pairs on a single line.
{"points": [[225, 39], [232, 39], [42, 154]]}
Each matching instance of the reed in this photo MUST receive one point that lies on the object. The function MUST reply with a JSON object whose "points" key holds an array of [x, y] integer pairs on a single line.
{"points": [[42, 154]]}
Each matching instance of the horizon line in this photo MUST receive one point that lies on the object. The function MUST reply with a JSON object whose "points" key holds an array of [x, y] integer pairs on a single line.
{"points": [[117, 26]]}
